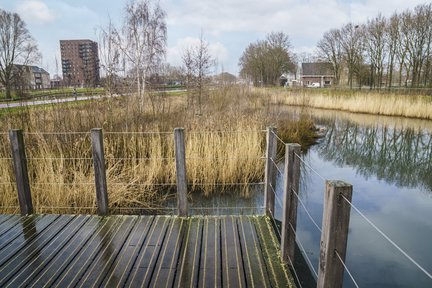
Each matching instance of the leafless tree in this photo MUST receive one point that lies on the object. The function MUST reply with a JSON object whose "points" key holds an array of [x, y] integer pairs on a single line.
{"points": [[266, 60], [351, 42], [109, 55], [197, 62], [330, 49], [16, 46], [144, 40], [375, 39]]}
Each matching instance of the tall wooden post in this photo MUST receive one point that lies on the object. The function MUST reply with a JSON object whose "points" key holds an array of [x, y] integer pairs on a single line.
{"points": [[270, 172], [290, 201], [180, 155], [100, 171], [21, 173], [334, 234]]}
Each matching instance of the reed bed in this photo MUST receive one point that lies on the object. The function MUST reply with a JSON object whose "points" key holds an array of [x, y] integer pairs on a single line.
{"points": [[224, 150], [389, 104]]}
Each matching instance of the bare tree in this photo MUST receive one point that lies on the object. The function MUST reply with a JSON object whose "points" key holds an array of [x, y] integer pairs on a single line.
{"points": [[110, 56], [375, 39], [331, 49], [352, 45], [16, 46], [266, 60], [197, 62], [144, 42]]}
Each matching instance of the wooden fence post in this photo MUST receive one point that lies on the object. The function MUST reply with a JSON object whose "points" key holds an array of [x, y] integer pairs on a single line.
{"points": [[21, 173], [270, 172], [180, 152], [100, 171], [334, 234], [290, 201]]}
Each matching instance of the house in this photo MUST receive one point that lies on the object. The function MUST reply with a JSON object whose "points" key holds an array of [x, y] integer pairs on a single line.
{"points": [[31, 77], [319, 74], [289, 80]]}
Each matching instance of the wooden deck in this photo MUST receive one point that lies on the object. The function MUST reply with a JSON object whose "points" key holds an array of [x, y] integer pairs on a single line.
{"points": [[139, 251]]}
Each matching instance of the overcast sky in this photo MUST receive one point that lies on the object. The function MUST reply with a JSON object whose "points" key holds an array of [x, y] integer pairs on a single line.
{"points": [[228, 25]]}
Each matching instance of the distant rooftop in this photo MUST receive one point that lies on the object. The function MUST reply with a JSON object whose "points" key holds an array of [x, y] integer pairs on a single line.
{"points": [[318, 68]]}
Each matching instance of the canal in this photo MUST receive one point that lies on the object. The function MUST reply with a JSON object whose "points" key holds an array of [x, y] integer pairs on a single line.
{"points": [[388, 162]]}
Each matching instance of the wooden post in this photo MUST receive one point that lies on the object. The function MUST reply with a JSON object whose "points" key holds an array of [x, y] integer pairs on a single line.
{"points": [[100, 171], [270, 172], [290, 201], [180, 153], [334, 234], [21, 173]]}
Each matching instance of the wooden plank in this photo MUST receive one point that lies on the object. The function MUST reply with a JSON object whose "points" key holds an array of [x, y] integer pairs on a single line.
{"points": [[268, 243], [32, 249], [188, 269], [5, 218], [84, 259], [25, 236], [210, 270], [256, 274], [103, 262], [43, 257], [62, 260], [233, 272], [143, 269], [15, 229], [169, 257], [120, 270]]}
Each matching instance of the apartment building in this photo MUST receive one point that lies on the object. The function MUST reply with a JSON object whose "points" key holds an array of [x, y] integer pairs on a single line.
{"points": [[80, 63]]}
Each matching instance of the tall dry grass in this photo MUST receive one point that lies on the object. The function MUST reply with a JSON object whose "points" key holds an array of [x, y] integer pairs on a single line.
{"points": [[224, 149], [389, 104]]}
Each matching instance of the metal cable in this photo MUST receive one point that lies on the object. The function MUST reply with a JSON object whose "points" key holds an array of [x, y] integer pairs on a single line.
{"points": [[277, 198], [224, 158], [307, 212], [222, 184], [347, 270], [226, 208], [62, 183], [55, 158], [56, 133], [274, 222], [276, 166], [226, 132], [304, 251], [6, 183], [9, 207], [6, 158], [138, 133], [138, 158], [278, 138], [388, 239], [142, 184], [310, 167]]}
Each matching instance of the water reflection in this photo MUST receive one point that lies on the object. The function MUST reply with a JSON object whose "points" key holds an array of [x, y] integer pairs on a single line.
{"points": [[392, 154]]}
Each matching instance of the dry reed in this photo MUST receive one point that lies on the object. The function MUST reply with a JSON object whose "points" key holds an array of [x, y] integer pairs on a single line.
{"points": [[224, 146], [389, 104]]}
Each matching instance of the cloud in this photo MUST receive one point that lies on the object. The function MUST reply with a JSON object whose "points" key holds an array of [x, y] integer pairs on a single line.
{"points": [[34, 11], [174, 54]]}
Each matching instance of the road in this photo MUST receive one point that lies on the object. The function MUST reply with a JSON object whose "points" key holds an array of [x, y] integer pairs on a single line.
{"points": [[50, 101]]}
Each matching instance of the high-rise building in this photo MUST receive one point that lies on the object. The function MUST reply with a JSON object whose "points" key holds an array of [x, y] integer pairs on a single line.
{"points": [[80, 62]]}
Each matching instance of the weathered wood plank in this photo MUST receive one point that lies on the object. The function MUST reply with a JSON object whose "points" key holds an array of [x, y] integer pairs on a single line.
{"points": [[128, 256], [143, 269], [15, 229], [276, 271], [188, 269], [233, 272], [83, 260], [35, 227], [167, 261], [102, 263], [45, 255], [256, 274], [149, 251], [210, 270], [6, 218], [59, 264], [32, 249]]}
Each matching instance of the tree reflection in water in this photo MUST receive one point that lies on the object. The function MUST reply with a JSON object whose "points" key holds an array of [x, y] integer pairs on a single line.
{"points": [[397, 155]]}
